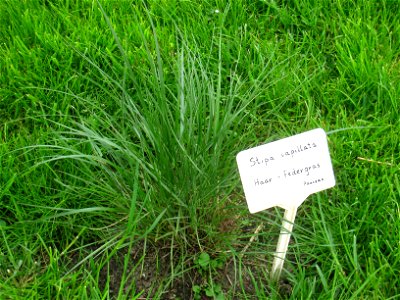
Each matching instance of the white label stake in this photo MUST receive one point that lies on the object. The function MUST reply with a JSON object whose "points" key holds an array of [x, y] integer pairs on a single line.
{"points": [[283, 242], [284, 173]]}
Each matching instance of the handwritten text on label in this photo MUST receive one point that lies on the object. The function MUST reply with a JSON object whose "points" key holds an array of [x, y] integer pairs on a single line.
{"points": [[285, 172]]}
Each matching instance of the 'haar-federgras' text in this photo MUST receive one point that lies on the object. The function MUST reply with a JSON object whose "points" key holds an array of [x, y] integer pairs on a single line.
{"points": [[301, 171]]}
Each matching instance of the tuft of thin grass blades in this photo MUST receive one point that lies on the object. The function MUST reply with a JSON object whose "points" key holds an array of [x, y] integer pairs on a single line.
{"points": [[169, 135]]}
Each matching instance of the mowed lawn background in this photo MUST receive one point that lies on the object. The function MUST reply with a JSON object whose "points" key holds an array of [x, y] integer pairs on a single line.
{"points": [[119, 126]]}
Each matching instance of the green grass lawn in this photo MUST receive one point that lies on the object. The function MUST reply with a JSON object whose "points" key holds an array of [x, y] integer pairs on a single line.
{"points": [[119, 126]]}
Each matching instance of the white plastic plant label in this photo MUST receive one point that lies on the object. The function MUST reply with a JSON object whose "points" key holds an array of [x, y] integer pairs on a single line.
{"points": [[285, 172]]}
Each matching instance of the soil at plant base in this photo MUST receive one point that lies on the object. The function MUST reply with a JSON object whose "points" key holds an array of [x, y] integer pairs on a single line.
{"points": [[151, 267], [152, 271]]}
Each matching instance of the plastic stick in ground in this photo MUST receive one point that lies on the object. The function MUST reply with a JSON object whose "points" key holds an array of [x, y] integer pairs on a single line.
{"points": [[283, 242]]}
